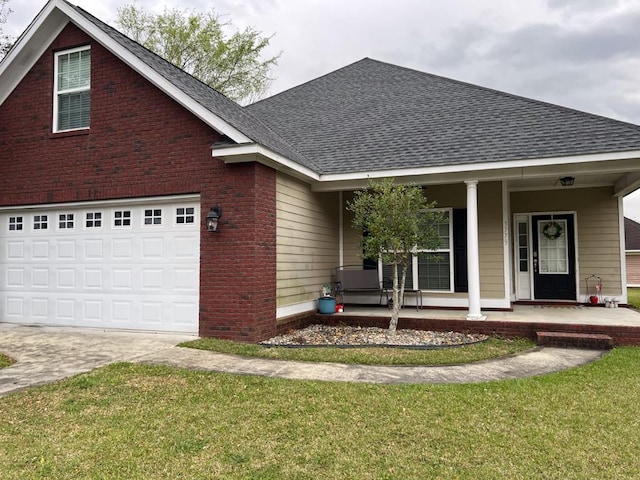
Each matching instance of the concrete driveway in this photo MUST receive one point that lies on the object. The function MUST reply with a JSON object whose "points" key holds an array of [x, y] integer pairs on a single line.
{"points": [[49, 354]]}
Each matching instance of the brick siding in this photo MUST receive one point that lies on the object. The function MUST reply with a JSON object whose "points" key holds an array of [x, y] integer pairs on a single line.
{"points": [[142, 143]]}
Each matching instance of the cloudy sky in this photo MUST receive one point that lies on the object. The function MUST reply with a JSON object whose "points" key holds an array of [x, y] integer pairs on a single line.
{"points": [[583, 54]]}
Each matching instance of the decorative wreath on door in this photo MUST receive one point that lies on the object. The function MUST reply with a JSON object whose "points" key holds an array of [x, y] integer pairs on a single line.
{"points": [[552, 230]]}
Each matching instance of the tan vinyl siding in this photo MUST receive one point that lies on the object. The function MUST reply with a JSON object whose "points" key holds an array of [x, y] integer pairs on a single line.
{"points": [[598, 232], [352, 237], [491, 240], [307, 240], [633, 269]]}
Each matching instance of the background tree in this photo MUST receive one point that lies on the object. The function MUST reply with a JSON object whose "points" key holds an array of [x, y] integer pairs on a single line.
{"points": [[197, 43], [397, 219], [5, 40]]}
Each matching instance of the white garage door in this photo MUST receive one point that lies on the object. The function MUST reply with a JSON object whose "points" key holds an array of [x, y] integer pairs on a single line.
{"points": [[130, 265]]}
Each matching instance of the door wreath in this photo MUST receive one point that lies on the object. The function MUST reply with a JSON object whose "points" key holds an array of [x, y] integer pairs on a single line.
{"points": [[552, 230]]}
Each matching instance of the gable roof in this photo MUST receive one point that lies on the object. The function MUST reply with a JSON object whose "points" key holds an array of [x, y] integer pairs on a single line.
{"points": [[215, 109], [372, 115], [631, 234]]}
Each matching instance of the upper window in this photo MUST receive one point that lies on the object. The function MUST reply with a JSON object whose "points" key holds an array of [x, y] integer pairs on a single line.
{"points": [[71, 96]]}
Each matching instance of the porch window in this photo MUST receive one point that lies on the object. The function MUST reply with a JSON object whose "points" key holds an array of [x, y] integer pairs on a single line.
{"points": [[71, 96], [431, 270], [434, 269]]}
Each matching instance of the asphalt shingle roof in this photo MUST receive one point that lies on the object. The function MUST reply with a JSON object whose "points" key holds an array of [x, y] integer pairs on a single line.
{"points": [[212, 100], [631, 234], [372, 115]]}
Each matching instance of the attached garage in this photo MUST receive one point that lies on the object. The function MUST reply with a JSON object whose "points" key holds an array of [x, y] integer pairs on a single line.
{"points": [[130, 264]]}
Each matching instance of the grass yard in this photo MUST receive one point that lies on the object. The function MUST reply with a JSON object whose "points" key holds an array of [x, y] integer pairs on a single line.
{"points": [[5, 361], [134, 421], [491, 348], [633, 295]]}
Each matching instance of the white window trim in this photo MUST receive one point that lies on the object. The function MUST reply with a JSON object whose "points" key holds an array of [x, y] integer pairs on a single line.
{"points": [[122, 218], [185, 215], [40, 222], [153, 216], [449, 250], [56, 93], [102, 219], [414, 258]]}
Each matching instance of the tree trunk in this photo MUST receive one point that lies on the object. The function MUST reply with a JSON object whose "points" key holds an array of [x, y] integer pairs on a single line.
{"points": [[397, 296], [395, 310]]}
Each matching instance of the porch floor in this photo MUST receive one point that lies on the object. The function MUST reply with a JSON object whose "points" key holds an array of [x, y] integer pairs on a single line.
{"points": [[566, 314], [621, 324]]}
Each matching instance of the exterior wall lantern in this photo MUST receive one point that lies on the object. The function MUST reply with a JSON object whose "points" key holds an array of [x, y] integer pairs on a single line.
{"points": [[212, 218], [567, 181]]}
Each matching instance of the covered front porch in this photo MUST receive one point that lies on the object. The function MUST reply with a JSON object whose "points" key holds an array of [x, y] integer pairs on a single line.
{"points": [[621, 324]]}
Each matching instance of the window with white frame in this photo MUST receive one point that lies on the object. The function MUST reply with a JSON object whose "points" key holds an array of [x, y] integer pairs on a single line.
{"points": [[122, 218], [15, 223], [65, 221], [40, 222], [153, 216], [71, 84], [431, 269], [93, 220], [185, 215]]}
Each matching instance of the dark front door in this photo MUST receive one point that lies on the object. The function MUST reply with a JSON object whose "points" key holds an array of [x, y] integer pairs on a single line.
{"points": [[554, 257]]}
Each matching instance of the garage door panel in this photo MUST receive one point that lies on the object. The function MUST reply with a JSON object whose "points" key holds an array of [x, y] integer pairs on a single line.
{"points": [[106, 268]]}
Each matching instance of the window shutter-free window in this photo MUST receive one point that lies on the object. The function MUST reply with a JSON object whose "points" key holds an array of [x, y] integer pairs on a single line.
{"points": [[72, 98]]}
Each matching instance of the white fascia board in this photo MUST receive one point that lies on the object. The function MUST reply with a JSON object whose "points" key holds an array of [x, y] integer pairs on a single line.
{"points": [[48, 25], [482, 167], [253, 152], [30, 46]]}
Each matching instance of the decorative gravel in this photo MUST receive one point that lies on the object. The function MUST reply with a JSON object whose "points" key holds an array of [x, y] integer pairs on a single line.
{"points": [[345, 336]]}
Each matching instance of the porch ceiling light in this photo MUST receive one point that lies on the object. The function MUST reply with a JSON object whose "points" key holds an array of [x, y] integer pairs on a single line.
{"points": [[212, 218], [567, 181]]}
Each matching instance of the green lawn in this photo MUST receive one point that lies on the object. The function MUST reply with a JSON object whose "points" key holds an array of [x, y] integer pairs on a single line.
{"points": [[5, 361], [633, 295], [134, 421], [492, 348]]}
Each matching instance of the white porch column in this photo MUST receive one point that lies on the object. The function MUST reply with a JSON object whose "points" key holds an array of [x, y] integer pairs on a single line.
{"points": [[473, 256]]}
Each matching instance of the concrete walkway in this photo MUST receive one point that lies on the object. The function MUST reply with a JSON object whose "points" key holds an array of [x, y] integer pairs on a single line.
{"points": [[49, 354]]}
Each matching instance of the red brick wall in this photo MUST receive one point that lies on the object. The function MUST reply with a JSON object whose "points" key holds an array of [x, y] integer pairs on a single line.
{"points": [[142, 143]]}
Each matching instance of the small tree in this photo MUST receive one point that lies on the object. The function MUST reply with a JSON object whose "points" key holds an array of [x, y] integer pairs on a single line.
{"points": [[5, 40], [197, 43], [397, 219]]}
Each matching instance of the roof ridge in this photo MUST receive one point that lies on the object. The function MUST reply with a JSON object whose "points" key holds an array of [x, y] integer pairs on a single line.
{"points": [[313, 80]]}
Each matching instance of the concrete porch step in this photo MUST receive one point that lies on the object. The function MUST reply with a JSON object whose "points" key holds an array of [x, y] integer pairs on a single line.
{"points": [[577, 340]]}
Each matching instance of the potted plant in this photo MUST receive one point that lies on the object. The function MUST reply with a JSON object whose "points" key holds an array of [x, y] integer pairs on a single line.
{"points": [[327, 303]]}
